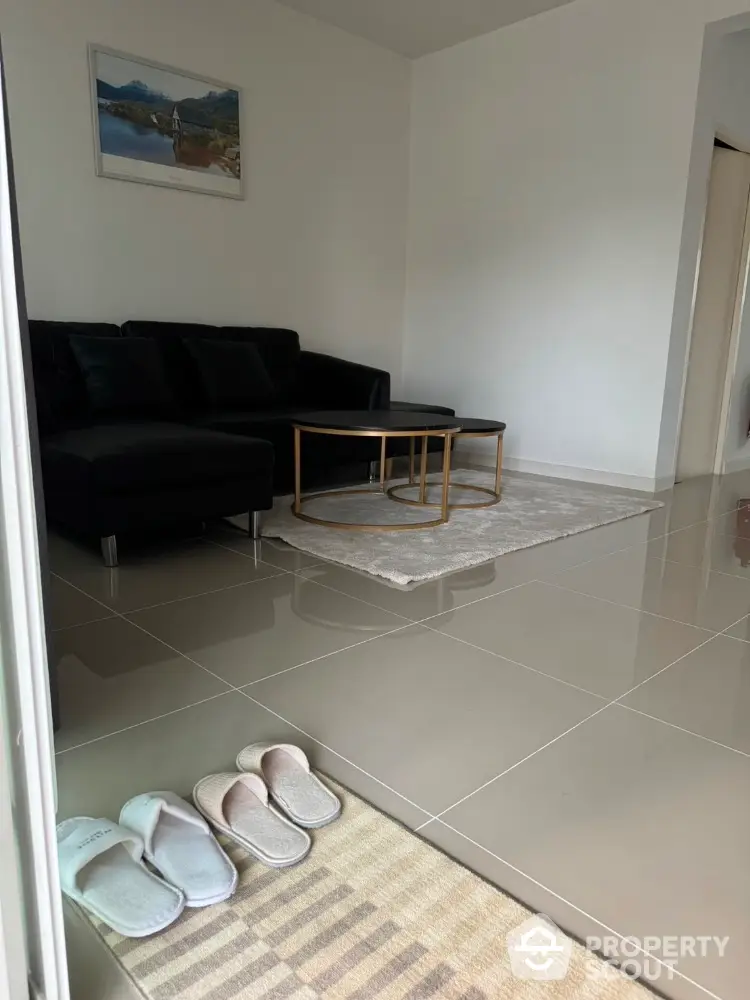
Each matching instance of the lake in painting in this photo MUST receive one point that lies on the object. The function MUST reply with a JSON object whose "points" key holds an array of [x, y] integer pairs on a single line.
{"points": [[121, 137]]}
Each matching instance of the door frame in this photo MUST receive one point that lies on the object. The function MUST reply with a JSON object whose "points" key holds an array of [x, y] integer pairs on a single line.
{"points": [[24, 649], [743, 286], [740, 301]]}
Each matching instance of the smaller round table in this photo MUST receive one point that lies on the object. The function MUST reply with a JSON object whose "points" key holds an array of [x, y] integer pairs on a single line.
{"points": [[383, 424], [469, 427]]}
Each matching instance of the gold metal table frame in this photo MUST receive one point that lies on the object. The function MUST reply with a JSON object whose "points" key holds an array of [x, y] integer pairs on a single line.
{"points": [[445, 507], [495, 494]]}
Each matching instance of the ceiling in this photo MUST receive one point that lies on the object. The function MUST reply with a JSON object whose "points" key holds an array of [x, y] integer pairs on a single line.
{"points": [[416, 27]]}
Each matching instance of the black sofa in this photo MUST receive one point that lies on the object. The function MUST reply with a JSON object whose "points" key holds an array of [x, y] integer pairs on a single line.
{"points": [[153, 422], [302, 381]]}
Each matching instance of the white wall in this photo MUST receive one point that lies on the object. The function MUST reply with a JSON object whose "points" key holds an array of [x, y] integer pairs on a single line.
{"points": [[319, 243], [550, 275]]}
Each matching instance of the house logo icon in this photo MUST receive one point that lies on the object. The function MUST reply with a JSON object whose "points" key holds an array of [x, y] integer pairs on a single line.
{"points": [[539, 950]]}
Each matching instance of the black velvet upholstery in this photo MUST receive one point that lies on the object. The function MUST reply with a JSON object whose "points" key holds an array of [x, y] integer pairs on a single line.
{"points": [[127, 457], [324, 380], [123, 376], [108, 471], [303, 380], [231, 373], [60, 389], [108, 478]]}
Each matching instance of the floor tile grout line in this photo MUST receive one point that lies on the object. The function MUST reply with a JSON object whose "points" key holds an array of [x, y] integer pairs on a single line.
{"points": [[228, 684], [280, 571], [208, 593], [485, 597], [118, 614], [343, 593], [179, 653], [632, 607], [609, 704], [175, 600], [682, 729], [409, 623], [90, 621], [330, 749], [324, 656], [726, 634], [636, 545], [517, 663], [477, 600], [523, 760], [80, 590], [705, 642], [144, 722], [414, 621], [245, 555], [563, 899], [689, 565]]}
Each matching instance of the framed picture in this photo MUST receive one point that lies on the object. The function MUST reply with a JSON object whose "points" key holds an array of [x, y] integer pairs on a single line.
{"points": [[159, 125]]}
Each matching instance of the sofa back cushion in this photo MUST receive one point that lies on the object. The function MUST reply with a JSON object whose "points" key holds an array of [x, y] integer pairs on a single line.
{"points": [[232, 374], [58, 383], [123, 376], [280, 351], [278, 348], [179, 365]]}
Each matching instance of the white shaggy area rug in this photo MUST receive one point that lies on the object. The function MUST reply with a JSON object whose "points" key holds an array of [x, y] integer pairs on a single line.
{"points": [[529, 513]]}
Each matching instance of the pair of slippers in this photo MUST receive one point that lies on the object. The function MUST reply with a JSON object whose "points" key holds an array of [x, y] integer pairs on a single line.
{"points": [[102, 864], [268, 807]]}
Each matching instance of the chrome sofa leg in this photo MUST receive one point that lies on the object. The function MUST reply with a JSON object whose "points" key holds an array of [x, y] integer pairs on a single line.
{"points": [[109, 550], [374, 472], [253, 524]]}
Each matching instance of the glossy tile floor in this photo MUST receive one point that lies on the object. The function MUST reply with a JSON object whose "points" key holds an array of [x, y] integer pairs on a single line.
{"points": [[572, 721]]}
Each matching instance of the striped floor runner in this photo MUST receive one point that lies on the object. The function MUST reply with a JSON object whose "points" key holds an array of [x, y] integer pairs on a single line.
{"points": [[374, 913]]}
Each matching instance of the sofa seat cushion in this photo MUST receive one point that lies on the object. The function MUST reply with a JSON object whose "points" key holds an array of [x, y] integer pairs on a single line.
{"points": [[126, 457], [245, 421], [319, 451]]}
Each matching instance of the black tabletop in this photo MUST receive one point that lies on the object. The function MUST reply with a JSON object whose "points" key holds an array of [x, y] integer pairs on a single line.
{"points": [[376, 420], [470, 425]]}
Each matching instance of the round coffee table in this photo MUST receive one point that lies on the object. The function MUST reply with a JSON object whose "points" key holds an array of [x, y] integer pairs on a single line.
{"points": [[469, 427], [383, 424]]}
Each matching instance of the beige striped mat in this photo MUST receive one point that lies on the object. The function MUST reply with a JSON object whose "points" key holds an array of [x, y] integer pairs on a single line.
{"points": [[373, 912]]}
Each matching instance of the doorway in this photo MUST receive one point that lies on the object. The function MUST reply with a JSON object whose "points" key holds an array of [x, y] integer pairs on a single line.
{"points": [[713, 344]]}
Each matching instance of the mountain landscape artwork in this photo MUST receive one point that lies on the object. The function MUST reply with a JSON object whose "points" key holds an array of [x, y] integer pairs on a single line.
{"points": [[160, 125]]}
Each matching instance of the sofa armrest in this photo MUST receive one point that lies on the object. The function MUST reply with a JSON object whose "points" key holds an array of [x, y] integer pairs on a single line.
{"points": [[329, 383]]}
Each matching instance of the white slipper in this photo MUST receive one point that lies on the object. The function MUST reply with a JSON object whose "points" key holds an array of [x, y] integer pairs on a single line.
{"points": [[101, 870], [286, 770], [237, 805], [178, 841]]}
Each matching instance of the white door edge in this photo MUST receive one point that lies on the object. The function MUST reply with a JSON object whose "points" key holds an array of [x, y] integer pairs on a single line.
{"points": [[25, 614], [734, 348]]}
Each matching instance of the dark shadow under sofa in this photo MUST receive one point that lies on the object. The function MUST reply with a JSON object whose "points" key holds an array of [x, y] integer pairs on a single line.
{"points": [[154, 422]]}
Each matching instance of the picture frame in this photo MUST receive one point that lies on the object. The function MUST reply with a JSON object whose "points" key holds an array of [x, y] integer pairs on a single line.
{"points": [[158, 124]]}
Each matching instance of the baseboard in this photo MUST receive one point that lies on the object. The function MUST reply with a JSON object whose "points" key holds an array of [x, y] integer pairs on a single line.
{"points": [[643, 484], [739, 464], [664, 483]]}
